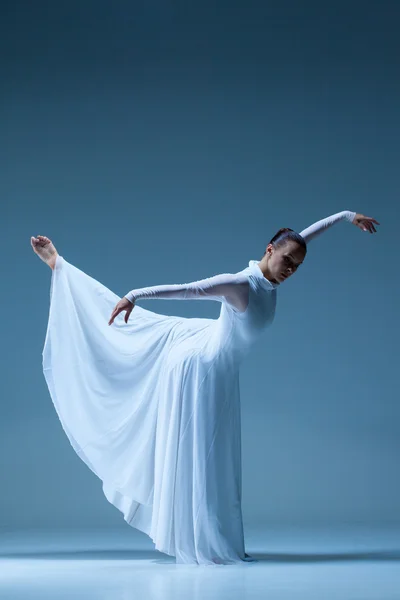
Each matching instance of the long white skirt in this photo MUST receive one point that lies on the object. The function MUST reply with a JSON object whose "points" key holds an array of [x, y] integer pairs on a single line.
{"points": [[153, 412]]}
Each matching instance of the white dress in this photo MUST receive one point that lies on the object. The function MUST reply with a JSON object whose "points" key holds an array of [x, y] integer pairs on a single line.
{"points": [[152, 406]]}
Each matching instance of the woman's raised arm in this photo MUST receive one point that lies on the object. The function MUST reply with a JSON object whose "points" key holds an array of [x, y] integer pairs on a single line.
{"points": [[361, 221], [317, 228]]}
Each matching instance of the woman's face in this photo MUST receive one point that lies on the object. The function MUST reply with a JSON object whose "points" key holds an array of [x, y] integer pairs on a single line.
{"points": [[284, 260]]}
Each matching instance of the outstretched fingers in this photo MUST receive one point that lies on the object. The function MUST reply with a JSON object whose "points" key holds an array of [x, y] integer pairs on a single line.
{"points": [[367, 224], [114, 313]]}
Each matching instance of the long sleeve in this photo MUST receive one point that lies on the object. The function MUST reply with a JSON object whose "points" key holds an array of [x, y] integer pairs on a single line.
{"points": [[230, 287], [317, 228]]}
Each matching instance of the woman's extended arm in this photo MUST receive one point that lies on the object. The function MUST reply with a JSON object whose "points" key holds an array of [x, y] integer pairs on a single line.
{"points": [[232, 287], [317, 228]]}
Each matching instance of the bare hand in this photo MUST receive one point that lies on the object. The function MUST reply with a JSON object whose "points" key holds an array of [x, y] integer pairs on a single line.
{"points": [[365, 223], [123, 304]]}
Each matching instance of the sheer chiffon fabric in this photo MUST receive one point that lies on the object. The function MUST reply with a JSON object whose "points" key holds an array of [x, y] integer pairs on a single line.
{"points": [[152, 406]]}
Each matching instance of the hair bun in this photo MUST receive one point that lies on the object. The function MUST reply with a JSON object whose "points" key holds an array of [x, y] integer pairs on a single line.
{"points": [[286, 233]]}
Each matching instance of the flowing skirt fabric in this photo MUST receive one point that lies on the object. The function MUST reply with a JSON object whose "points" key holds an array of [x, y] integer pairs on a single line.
{"points": [[153, 409]]}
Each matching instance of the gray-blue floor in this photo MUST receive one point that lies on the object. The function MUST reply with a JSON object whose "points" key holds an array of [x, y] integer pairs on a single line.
{"points": [[353, 564]]}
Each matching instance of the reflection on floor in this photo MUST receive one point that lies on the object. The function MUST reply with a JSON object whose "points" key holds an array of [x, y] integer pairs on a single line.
{"points": [[357, 563]]}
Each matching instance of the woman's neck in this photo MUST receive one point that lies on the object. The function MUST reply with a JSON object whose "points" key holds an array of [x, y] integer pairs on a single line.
{"points": [[266, 272]]}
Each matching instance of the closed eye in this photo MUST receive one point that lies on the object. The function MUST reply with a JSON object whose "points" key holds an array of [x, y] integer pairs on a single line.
{"points": [[287, 259]]}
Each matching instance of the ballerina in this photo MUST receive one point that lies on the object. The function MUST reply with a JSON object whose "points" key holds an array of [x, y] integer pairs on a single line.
{"points": [[152, 404]]}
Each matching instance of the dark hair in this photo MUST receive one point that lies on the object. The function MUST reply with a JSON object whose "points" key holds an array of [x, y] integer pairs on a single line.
{"points": [[284, 235]]}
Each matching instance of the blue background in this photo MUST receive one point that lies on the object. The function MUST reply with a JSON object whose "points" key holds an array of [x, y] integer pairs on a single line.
{"points": [[163, 142]]}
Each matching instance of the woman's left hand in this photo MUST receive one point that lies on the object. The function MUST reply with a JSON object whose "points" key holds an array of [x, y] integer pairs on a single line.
{"points": [[365, 223]]}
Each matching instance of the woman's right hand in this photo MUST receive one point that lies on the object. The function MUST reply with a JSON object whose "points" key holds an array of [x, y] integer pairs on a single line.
{"points": [[123, 304]]}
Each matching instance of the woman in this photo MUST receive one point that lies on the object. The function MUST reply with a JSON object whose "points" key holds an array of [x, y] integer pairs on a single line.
{"points": [[152, 404]]}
